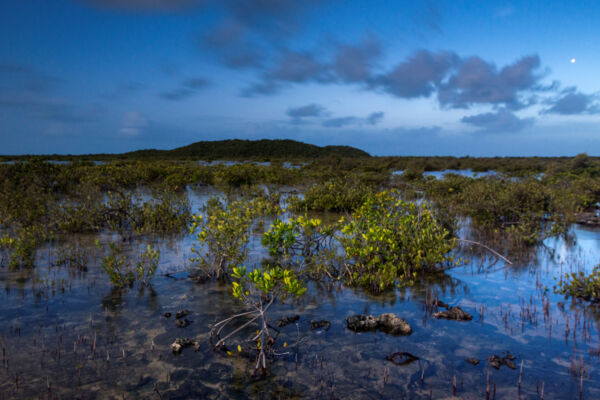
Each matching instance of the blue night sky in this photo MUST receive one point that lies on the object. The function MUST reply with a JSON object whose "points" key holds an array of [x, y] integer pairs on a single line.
{"points": [[456, 77]]}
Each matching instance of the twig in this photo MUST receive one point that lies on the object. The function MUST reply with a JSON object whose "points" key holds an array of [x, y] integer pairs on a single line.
{"points": [[485, 247]]}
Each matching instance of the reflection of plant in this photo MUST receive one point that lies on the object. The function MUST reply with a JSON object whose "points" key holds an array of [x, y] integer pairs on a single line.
{"points": [[259, 289], [577, 284], [389, 241], [123, 273], [301, 236]]}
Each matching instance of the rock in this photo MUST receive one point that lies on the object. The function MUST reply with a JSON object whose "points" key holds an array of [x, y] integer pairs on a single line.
{"points": [[179, 344], [320, 324], [176, 347], [287, 320], [390, 323], [496, 361], [455, 313], [182, 323], [167, 315], [401, 358], [472, 361], [182, 313], [387, 323], [362, 323]]}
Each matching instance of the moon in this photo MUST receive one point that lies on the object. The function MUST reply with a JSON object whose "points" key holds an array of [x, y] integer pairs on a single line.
{"points": [[573, 60]]}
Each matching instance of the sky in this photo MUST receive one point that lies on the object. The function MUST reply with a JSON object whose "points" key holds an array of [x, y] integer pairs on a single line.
{"points": [[456, 77]]}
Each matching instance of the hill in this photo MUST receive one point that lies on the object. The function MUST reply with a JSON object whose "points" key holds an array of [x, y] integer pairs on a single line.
{"points": [[252, 149]]}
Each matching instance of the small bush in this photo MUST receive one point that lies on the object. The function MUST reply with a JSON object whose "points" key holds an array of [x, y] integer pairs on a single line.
{"points": [[388, 241], [580, 285]]}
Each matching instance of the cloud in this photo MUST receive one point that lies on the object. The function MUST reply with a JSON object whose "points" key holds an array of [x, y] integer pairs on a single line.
{"points": [[291, 67], [479, 82], [372, 119], [375, 117], [145, 5], [354, 63], [572, 102], [340, 122], [419, 75], [501, 121], [133, 123], [188, 89], [309, 110], [32, 93]]}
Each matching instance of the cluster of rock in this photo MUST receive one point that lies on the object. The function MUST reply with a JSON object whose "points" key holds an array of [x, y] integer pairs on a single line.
{"points": [[387, 323]]}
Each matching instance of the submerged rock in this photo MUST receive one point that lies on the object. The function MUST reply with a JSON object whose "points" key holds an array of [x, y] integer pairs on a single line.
{"points": [[320, 324], [496, 361], [167, 315], [287, 320], [182, 313], [179, 344], [387, 323], [455, 313], [401, 358], [182, 323], [472, 361]]}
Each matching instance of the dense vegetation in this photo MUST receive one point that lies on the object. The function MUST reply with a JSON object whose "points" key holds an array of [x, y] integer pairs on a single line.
{"points": [[347, 221]]}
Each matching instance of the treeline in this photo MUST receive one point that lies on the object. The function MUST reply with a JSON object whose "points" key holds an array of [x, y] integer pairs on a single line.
{"points": [[255, 150]]}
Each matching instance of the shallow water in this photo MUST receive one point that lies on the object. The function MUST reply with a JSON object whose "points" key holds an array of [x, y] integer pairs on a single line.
{"points": [[51, 316]]}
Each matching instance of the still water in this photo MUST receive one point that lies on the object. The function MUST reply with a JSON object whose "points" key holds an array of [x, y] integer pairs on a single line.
{"points": [[67, 334]]}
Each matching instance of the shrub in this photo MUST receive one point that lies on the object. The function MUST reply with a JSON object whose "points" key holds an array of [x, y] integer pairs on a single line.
{"points": [[339, 194], [123, 273], [388, 241], [580, 285], [223, 234], [306, 237], [258, 289]]}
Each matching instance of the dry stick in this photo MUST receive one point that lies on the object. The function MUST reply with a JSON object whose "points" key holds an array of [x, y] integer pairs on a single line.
{"points": [[487, 387], [520, 376], [485, 247], [454, 385], [542, 396]]}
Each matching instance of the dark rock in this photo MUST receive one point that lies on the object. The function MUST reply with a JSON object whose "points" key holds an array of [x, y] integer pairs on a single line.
{"points": [[182, 323], [387, 323], [287, 320], [401, 358], [179, 344], [496, 361], [362, 323], [320, 324], [455, 313], [167, 315], [182, 313], [472, 361]]}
